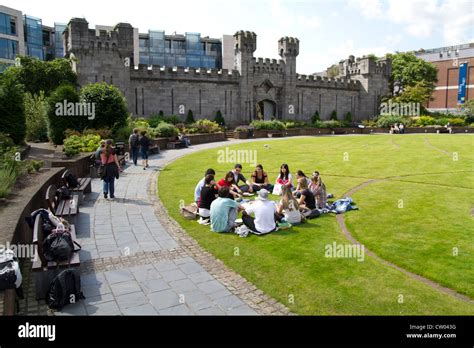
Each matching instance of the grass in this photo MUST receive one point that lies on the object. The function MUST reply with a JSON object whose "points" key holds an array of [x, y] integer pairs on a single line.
{"points": [[419, 237]]}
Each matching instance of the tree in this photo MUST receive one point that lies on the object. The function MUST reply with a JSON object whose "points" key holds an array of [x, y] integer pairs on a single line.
{"points": [[333, 115], [333, 71], [409, 70], [37, 75], [219, 119], [468, 111], [12, 113], [35, 113], [108, 103], [190, 117], [57, 122]]}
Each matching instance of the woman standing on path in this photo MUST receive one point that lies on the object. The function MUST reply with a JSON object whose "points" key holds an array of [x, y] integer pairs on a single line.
{"points": [[144, 146], [111, 168]]}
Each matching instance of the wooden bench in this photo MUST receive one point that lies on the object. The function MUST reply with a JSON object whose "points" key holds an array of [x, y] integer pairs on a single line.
{"points": [[175, 145], [275, 134], [66, 208], [44, 271], [85, 185]]}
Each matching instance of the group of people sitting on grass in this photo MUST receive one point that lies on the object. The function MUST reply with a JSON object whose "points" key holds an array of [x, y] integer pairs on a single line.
{"points": [[219, 202]]}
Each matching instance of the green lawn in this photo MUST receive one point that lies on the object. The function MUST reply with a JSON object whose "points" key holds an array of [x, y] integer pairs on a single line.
{"points": [[420, 237]]}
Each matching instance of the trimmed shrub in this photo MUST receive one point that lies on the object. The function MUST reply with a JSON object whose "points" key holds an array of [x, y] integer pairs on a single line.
{"points": [[110, 105], [153, 121], [219, 119], [103, 133], [423, 121], [315, 118], [190, 117], [333, 115], [329, 124], [348, 119], [385, 121], [57, 124]]}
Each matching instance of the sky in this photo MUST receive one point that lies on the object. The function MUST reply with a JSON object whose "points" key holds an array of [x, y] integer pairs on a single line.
{"points": [[328, 30]]}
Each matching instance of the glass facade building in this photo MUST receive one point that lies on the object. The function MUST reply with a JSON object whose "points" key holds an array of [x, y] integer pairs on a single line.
{"points": [[34, 37], [7, 24], [8, 49], [58, 40], [188, 50]]}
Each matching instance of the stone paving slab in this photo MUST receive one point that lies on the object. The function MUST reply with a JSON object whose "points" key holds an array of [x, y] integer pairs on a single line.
{"points": [[136, 261]]}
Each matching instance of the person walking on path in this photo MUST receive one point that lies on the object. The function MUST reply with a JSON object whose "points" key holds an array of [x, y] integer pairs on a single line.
{"points": [[144, 146], [111, 169], [134, 145]]}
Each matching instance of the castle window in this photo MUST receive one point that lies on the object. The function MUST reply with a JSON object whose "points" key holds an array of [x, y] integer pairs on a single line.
{"points": [[99, 45], [236, 46], [111, 79]]}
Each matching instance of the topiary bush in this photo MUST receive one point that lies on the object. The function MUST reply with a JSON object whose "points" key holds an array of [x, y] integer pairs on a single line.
{"points": [[348, 119], [315, 118], [219, 119], [333, 115], [190, 117], [58, 123]]}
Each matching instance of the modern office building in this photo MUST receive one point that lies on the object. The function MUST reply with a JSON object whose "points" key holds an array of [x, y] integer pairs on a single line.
{"points": [[455, 84], [12, 41]]}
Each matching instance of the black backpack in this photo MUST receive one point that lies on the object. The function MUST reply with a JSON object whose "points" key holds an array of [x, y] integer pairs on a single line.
{"points": [[71, 180], [63, 193], [59, 246], [7, 276], [64, 289]]}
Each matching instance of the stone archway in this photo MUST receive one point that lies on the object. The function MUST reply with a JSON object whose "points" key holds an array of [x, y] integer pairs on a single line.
{"points": [[266, 109]]}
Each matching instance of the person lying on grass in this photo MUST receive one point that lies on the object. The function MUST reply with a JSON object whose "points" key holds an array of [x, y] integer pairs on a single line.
{"points": [[229, 182], [224, 212]]}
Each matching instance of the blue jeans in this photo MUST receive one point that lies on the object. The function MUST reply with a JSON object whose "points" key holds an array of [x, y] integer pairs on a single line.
{"points": [[109, 185], [134, 153]]}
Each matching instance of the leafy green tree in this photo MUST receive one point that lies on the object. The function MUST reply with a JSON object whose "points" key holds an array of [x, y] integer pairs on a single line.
{"points": [[409, 70], [36, 119], [219, 119], [190, 117], [12, 112], [37, 75], [57, 122], [109, 104]]}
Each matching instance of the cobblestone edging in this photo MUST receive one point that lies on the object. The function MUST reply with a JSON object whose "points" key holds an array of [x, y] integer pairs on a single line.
{"points": [[255, 298]]}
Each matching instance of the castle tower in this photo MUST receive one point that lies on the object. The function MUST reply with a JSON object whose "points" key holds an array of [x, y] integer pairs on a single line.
{"points": [[245, 45], [373, 75], [288, 49]]}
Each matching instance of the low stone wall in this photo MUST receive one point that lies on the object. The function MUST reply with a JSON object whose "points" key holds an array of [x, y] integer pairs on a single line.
{"points": [[79, 165], [197, 139]]}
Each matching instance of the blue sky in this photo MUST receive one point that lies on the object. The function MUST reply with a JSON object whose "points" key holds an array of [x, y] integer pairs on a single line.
{"points": [[328, 30]]}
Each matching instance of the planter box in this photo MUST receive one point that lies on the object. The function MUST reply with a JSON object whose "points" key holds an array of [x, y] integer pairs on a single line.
{"points": [[79, 166], [206, 138], [241, 135]]}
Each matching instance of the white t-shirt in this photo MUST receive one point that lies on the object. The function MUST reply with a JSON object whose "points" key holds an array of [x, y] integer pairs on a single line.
{"points": [[292, 214], [198, 188], [264, 215]]}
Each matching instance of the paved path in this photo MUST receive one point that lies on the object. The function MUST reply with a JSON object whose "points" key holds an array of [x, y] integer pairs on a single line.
{"points": [[132, 265]]}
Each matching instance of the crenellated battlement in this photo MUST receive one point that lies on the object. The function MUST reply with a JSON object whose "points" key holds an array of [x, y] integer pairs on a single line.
{"points": [[365, 66], [144, 71], [325, 82], [268, 65]]}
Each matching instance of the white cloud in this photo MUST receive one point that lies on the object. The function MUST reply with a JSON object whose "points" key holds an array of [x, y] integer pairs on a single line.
{"points": [[369, 8]]}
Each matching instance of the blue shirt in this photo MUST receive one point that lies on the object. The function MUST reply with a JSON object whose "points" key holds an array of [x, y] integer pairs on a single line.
{"points": [[220, 208]]}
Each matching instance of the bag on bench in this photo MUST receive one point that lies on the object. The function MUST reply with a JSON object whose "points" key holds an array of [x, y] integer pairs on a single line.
{"points": [[65, 289], [10, 274], [63, 193], [71, 180], [59, 246]]}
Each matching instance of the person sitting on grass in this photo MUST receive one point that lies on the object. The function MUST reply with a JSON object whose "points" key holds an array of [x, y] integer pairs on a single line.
{"points": [[264, 211], [306, 200], [200, 184], [238, 176], [260, 180], [224, 211], [229, 182], [299, 175], [318, 189], [283, 179], [289, 207], [208, 195]]}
